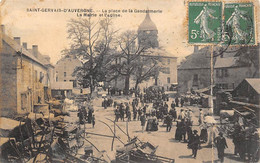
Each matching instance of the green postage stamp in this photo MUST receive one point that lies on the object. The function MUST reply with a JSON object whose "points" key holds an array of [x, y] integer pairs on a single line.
{"points": [[221, 23], [239, 24], [205, 22]]}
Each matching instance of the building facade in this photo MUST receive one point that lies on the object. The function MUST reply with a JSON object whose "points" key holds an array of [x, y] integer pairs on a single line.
{"points": [[194, 71], [65, 83], [236, 64], [64, 69], [24, 77]]}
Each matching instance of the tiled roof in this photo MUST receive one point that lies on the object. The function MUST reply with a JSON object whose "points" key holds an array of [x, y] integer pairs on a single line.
{"points": [[226, 62], [158, 52], [197, 60], [255, 83], [41, 58], [19, 48]]}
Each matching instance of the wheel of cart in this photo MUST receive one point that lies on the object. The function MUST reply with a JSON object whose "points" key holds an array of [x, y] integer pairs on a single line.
{"points": [[71, 140], [77, 134]]}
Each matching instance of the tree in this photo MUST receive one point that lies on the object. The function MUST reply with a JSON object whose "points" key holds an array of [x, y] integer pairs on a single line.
{"points": [[148, 67], [128, 55], [132, 60], [90, 43]]}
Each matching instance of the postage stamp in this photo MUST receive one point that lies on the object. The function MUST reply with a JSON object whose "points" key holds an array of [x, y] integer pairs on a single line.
{"points": [[239, 24], [204, 22]]}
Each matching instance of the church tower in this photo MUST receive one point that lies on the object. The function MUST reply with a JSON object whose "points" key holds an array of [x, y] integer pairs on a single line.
{"points": [[147, 33]]}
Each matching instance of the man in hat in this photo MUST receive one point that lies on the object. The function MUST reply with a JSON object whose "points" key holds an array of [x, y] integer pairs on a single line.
{"points": [[168, 121], [221, 144], [194, 143]]}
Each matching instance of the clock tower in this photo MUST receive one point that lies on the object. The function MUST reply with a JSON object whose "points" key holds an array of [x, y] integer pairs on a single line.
{"points": [[147, 33]]}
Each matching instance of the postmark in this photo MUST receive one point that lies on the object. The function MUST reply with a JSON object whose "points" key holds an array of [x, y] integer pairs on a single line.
{"points": [[205, 22], [239, 24]]}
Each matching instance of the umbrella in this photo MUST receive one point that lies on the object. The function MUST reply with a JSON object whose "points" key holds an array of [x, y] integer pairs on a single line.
{"points": [[210, 119]]}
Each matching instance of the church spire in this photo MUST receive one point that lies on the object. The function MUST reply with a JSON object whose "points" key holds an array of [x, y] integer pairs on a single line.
{"points": [[147, 24]]}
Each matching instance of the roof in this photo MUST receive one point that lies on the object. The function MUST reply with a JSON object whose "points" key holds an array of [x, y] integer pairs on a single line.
{"points": [[147, 24], [254, 83], [197, 60], [19, 48], [42, 58], [69, 57], [62, 86], [158, 52], [226, 62], [9, 124]]}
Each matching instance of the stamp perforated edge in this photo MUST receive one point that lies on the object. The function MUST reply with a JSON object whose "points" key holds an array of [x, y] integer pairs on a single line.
{"points": [[255, 10]]}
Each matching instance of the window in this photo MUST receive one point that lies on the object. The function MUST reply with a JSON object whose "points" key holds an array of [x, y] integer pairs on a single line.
{"points": [[225, 72], [220, 73], [65, 74], [24, 101], [65, 80], [165, 70], [41, 77], [74, 83], [35, 75], [168, 80], [195, 80], [57, 79], [169, 61]]}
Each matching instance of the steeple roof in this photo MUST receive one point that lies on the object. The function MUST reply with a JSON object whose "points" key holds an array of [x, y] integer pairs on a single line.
{"points": [[147, 24]]}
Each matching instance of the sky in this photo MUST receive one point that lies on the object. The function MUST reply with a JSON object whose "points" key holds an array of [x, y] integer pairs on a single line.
{"points": [[48, 30]]}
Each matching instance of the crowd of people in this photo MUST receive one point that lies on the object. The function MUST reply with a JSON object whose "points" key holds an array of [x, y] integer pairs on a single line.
{"points": [[246, 142], [86, 114], [153, 105]]}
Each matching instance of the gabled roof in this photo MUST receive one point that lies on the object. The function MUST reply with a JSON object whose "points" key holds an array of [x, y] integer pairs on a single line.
{"points": [[72, 58], [158, 52], [147, 24], [254, 83], [226, 62], [41, 58], [19, 48], [197, 60]]}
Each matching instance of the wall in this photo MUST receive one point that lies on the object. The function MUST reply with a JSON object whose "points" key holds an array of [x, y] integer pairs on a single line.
{"points": [[66, 65], [233, 77], [28, 86], [172, 65], [185, 79], [8, 64]]}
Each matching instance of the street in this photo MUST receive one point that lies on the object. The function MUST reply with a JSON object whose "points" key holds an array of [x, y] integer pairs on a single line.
{"points": [[167, 145]]}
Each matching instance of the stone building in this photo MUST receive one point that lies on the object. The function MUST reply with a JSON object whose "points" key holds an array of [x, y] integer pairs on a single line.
{"points": [[236, 64], [24, 77], [194, 71], [65, 82]]}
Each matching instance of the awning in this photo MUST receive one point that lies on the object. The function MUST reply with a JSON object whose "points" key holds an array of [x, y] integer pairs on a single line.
{"points": [[62, 86], [7, 125]]}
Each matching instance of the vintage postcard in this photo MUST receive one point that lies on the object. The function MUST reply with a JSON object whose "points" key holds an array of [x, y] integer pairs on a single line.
{"points": [[135, 81]]}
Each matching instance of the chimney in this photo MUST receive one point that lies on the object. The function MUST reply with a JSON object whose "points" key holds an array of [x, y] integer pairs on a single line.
{"points": [[17, 40], [25, 45], [3, 29], [196, 48], [35, 50]]}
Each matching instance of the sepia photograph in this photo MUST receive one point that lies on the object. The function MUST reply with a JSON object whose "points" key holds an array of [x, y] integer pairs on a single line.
{"points": [[129, 81]]}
